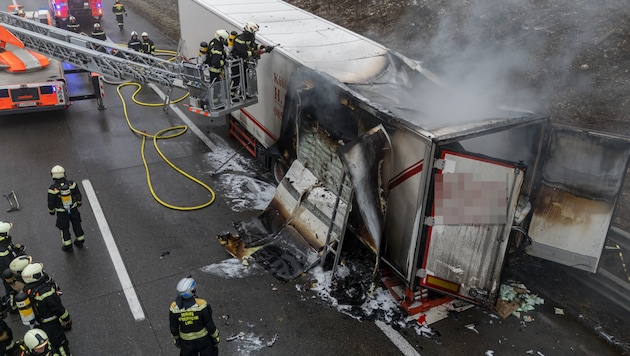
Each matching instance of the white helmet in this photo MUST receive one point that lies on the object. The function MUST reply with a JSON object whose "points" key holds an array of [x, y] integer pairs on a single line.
{"points": [[58, 172], [134, 33], [35, 338], [222, 35], [251, 27], [72, 18], [19, 263], [5, 228], [186, 288], [144, 34], [97, 25], [33, 272]]}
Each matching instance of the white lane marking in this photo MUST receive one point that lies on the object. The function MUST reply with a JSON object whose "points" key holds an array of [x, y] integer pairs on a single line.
{"points": [[186, 120], [400, 342], [114, 254]]}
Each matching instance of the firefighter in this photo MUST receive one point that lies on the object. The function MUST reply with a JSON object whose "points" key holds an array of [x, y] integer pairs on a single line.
{"points": [[21, 13], [73, 25], [119, 10], [6, 255], [64, 199], [13, 274], [215, 57], [134, 43], [7, 344], [147, 47], [191, 323], [50, 314], [245, 47], [98, 32], [6, 337], [38, 344]]}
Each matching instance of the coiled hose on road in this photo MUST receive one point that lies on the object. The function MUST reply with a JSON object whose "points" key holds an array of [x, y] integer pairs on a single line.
{"points": [[160, 135]]}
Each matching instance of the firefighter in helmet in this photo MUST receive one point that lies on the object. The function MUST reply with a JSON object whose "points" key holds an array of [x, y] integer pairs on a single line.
{"points": [[21, 13], [5, 251], [73, 25], [119, 10], [64, 199], [191, 324], [245, 47], [7, 345], [147, 45], [13, 274], [215, 57], [98, 32], [51, 315], [38, 344], [134, 43]]}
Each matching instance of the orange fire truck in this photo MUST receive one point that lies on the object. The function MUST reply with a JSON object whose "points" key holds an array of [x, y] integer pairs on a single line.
{"points": [[30, 81]]}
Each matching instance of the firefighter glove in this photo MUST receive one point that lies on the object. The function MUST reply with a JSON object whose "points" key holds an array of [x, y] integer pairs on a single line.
{"points": [[268, 49], [126, 14], [215, 337], [176, 341], [67, 325], [51, 212]]}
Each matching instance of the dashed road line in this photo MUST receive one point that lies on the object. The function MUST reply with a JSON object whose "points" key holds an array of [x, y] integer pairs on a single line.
{"points": [[114, 254]]}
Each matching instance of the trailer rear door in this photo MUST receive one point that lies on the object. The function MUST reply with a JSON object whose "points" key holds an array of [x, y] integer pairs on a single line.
{"points": [[472, 211], [582, 175]]}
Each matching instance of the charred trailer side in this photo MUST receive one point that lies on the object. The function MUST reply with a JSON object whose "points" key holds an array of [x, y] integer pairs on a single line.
{"points": [[433, 194]]}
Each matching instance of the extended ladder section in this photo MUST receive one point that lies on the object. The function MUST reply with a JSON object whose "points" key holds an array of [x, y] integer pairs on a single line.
{"points": [[121, 63]]}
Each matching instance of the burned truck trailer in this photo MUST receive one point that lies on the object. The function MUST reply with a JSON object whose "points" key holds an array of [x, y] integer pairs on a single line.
{"points": [[436, 195]]}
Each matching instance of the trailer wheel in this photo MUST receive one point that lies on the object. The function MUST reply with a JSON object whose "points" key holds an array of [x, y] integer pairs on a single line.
{"points": [[279, 169]]}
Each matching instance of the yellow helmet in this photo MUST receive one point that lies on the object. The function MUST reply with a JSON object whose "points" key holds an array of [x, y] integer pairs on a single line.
{"points": [[19, 263], [58, 172], [35, 338], [33, 272], [222, 35], [251, 27], [5, 228]]}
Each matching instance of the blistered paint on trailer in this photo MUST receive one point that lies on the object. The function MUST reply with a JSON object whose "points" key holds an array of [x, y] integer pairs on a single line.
{"points": [[582, 178]]}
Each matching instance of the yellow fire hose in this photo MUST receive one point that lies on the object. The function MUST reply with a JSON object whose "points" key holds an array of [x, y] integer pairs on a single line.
{"points": [[160, 135]]}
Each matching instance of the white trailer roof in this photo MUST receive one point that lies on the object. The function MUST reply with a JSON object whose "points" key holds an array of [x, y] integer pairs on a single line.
{"points": [[306, 38], [384, 79]]}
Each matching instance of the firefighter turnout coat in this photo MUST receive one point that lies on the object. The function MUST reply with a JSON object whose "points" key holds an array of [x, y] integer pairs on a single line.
{"points": [[192, 326]]}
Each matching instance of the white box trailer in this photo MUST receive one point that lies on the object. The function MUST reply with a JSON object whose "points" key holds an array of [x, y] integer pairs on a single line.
{"points": [[437, 196]]}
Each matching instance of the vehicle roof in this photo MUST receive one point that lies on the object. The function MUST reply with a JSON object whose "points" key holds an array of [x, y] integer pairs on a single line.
{"points": [[384, 79]]}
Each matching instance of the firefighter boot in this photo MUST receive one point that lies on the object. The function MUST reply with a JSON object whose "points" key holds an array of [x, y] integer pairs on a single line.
{"points": [[66, 241]]}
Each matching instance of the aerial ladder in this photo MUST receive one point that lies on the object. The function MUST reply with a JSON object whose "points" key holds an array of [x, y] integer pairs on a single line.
{"points": [[213, 99]]}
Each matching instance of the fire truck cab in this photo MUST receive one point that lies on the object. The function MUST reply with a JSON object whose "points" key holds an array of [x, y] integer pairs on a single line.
{"points": [[61, 10]]}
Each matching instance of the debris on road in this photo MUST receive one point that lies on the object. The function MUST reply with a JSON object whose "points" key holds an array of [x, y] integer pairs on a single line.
{"points": [[515, 298]]}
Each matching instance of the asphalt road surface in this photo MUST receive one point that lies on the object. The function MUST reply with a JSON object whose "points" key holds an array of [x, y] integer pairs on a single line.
{"points": [[119, 287]]}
